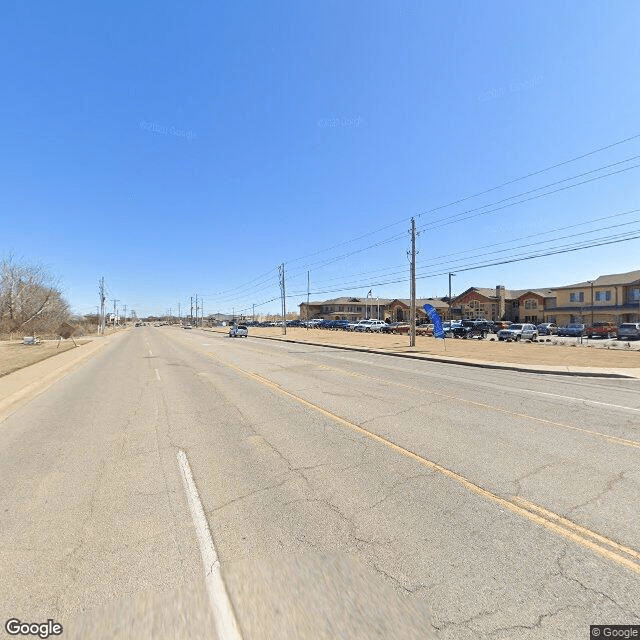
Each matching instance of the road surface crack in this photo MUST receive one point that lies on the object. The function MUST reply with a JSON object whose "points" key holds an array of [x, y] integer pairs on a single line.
{"points": [[608, 487]]}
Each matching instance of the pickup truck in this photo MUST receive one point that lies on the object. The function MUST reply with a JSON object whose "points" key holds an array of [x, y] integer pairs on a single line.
{"points": [[472, 329], [602, 330]]}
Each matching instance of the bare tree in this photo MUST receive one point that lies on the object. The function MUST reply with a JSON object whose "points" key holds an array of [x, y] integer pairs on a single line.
{"points": [[30, 301]]}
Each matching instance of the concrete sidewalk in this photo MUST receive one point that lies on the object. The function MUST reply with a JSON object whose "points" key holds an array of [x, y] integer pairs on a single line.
{"points": [[24, 384]]}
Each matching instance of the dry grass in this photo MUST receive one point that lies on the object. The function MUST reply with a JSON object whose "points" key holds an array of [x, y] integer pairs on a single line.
{"points": [[539, 353], [15, 355]]}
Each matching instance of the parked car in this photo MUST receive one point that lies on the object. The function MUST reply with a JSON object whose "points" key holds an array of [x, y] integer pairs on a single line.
{"points": [[424, 330], [629, 331], [473, 329], [238, 331], [396, 327], [548, 329], [602, 330], [340, 324], [449, 327], [187, 326], [519, 332], [369, 325], [575, 330], [377, 325]]}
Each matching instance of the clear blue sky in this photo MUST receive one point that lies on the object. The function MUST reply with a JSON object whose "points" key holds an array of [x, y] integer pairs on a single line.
{"points": [[182, 148]]}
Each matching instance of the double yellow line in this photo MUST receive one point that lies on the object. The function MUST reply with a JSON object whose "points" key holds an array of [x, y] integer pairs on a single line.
{"points": [[483, 405], [569, 530]]}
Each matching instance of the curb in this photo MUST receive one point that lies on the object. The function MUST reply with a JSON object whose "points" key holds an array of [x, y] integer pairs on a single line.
{"points": [[465, 363]]}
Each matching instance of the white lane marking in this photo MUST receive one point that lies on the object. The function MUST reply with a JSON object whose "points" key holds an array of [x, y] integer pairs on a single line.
{"points": [[205, 344], [488, 385], [606, 404], [150, 352], [224, 616], [157, 374]]}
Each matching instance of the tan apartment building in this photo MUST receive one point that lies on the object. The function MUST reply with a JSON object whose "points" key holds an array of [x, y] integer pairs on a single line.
{"points": [[612, 298], [353, 309], [346, 308], [517, 305]]}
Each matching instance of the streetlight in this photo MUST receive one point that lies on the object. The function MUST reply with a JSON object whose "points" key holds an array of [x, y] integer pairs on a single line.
{"points": [[450, 309], [591, 283], [367, 311]]}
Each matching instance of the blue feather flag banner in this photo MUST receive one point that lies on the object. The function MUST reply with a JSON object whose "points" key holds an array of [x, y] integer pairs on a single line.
{"points": [[435, 319]]}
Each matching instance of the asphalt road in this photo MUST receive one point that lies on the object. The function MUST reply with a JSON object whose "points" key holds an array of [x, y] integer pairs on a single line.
{"points": [[345, 495]]}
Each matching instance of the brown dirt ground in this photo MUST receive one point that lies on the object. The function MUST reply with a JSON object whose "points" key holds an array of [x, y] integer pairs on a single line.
{"points": [[532, 353], [15, 355]]}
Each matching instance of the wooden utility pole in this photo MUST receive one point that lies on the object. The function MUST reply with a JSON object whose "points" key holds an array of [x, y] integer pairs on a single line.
{"points": [[102, 311], [284, 304], [412, 316], [450, 307]]}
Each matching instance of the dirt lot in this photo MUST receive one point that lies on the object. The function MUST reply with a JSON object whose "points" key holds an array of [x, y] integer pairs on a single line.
{"points": [[556, 352], [14, 355]]}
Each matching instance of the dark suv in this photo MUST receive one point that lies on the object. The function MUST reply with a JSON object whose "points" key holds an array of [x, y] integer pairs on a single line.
{"points": [[474, 329]]}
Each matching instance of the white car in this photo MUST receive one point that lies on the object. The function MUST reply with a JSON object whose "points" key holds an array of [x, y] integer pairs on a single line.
{"points": [[369, 325], [519, 332], [238, 331]]}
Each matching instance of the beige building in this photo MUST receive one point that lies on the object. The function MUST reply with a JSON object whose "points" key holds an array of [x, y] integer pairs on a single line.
{"points": [[613, 298], [353, 309], [517, 305]]}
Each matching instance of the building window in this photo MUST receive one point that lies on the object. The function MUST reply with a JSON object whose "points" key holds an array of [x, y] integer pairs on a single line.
{"points": [[601, 296], [634, 294], [576, 296], [531, 304], [341, 308]]}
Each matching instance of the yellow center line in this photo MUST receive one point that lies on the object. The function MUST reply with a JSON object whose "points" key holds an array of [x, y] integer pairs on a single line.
{"points": [[573, 526], [544, 518], [597, 434]]}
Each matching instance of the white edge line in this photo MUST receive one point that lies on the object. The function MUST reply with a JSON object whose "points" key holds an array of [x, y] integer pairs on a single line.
{"points": [[227, 626], [157, 374]]}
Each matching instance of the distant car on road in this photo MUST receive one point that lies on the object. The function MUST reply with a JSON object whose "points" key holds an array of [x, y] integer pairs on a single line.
{"points": [[187, 326], [629, 331], [238, 331]]}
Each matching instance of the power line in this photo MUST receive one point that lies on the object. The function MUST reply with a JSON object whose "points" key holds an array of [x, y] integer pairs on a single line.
{"points": [[478, 194]]}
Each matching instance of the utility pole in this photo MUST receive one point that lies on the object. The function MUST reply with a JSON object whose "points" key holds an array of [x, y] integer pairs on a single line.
{"points": [[308, 280], [191, 313], [115, 313], [253, 315], [196, 309], [450, 308], [202, 312], [102, 300], [283, 295], [179, 316], [125, 315], [412, 313]]}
